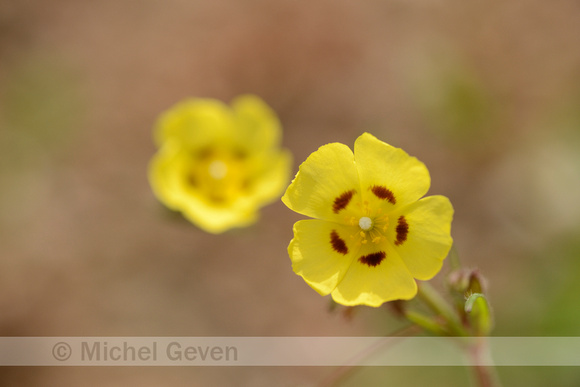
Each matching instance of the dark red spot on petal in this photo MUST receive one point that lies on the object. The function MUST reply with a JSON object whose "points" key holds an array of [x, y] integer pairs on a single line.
{"points": [[191, 180], [338, 244], [373, 259], [239, 154], [342, 201], [383, 193], [402, 230], [204, 153]]}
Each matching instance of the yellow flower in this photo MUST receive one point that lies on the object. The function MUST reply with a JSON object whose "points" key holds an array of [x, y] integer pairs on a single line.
{"points": [[218, 165], [373, 234]]}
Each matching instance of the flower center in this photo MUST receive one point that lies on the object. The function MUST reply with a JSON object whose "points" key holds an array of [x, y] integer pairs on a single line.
{"points": [[372, 229], [365, 223], [218, 176], [218, 169]]}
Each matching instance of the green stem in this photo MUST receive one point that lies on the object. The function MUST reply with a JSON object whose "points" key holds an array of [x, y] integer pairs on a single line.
{"points": [[485, 374], [426, 323], [438, 305]]}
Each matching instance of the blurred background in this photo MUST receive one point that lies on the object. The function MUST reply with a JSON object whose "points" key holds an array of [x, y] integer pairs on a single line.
{"points": [[487, 94]]}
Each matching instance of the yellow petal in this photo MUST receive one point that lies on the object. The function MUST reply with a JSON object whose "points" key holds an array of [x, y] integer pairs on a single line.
{"points": [[199, 123], [271, 177], [166, 174], [389, 174], [321, 253], [375, 277], [326, 185], [215, 219], [428, 237], [257, 127]]}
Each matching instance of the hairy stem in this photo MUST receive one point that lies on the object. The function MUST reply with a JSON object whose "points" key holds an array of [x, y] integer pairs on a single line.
{"points": [[483, 370], [438, 305]]}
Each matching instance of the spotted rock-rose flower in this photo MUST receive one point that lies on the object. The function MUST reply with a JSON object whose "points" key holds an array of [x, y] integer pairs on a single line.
{"points": [[372, 235], [218, 165]]}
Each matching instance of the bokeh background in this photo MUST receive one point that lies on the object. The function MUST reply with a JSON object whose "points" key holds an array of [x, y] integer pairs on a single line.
{"points": [[486, 93]]}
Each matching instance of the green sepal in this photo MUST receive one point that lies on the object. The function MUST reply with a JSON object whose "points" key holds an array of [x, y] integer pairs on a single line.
{"points": [[479, 314]]}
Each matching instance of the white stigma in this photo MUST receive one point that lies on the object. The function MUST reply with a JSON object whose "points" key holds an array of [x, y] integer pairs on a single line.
{"points": [[218, 169], [365, 223]]}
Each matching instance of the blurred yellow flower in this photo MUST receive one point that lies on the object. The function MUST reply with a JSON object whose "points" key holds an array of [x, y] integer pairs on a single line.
{"points": [[373, 234], [216, 164]]}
